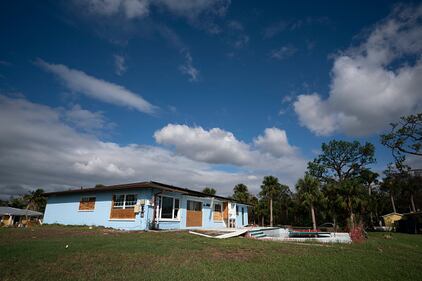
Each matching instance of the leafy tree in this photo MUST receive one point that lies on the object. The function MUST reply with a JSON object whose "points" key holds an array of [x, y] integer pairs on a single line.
{"points": [[309, 193], [405, 136], [241, 193], [209, 191], [341, 160]]}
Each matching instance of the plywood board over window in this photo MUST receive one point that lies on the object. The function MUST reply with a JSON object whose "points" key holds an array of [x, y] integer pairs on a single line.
{"points": [[218, 212], [193, 213], [87, 204], [123, 207]]}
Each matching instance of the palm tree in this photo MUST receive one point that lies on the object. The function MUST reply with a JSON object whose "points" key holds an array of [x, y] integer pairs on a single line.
{"points": [[310, 194], [353, 196], [369, 179], [391, 184], [241, 193], [270, 189], [35, 200]]}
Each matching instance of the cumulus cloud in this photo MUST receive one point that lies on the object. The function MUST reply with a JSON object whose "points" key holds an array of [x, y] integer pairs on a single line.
{"points": [[80, 82], [39, 149], [270, 153], [119, 65], [274, 141], [213, 146], [373, 83]]}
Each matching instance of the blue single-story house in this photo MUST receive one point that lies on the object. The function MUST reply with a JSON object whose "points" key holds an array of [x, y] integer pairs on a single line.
{"points": [[143, 206]]}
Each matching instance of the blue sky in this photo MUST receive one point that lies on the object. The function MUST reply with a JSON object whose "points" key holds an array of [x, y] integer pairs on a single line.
{"points": [[195, 93]]}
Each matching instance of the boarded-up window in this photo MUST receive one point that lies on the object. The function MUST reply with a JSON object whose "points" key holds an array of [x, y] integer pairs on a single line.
{"points": [[218, 212], [87, 204], [123, 206]]}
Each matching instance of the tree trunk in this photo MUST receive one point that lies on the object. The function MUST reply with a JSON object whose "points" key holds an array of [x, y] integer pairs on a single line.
{"points": [[313, 217], [412, 202], [392, 203], [271, 212], [352, 219], [335, 223], [263, 220]]}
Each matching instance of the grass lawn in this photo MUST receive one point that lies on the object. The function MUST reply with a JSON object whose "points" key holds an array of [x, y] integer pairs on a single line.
{"points": [[40, 253]]}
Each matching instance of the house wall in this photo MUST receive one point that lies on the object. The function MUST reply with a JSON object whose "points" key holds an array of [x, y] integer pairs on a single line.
{"points": [[64, 209], [239, 215], [207, 214]]}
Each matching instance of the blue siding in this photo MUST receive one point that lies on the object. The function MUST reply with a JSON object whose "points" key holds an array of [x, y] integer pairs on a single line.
{"points": [[239, 222], [64, 209]]}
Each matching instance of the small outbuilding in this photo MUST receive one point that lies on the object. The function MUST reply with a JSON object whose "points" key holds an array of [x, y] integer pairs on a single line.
{"points": [[14, 216], [391, 218]]}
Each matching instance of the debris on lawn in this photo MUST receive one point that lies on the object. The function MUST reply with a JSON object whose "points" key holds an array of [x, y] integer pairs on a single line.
{"points": [[219, 234]]}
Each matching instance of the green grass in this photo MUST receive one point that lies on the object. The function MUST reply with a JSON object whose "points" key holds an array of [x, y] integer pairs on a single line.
{"points": [[96, 254]]}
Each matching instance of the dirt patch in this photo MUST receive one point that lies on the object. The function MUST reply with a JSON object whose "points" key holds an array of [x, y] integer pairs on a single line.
{"points": [[51, 232]]}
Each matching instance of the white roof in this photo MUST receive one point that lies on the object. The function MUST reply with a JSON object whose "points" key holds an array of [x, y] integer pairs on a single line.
{"points": [[18, 212]]}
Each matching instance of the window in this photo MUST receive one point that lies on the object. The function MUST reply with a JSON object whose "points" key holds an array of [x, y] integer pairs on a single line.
{"points": [[218, 212], [217, 207], [124, 201], [194, 206], [87, 203], [169, 207], [237, 210]]}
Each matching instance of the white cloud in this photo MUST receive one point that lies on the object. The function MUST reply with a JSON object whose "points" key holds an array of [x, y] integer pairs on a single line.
{"points": [[79, 81], [188, 69], [37, 149], [86, 120], [213, 146], [312, 114], [119, 65], [274, 141], [373, 83], [283, 52], [218, 146]]}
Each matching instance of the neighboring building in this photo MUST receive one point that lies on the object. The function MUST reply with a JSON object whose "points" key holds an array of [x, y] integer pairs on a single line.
{"points": [[410, 223], [142, 206], [391, 218], [14, 216]]}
